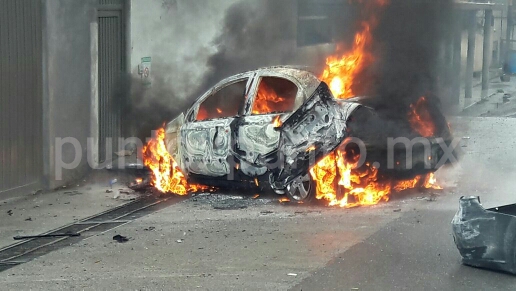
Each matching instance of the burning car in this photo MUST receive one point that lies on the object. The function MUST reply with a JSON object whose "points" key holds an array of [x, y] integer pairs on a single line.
{"points": [[282, 128]]}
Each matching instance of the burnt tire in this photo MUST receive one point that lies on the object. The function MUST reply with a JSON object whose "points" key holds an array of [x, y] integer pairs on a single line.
{"points": [[302, 189]]}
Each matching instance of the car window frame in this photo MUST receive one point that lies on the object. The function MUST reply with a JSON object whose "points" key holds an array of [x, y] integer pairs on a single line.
{"points": [[300, 96], [191, 115]]}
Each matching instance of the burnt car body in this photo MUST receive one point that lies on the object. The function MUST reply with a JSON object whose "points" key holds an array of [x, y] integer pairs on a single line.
{"points": [[268, 127], [486, 238]]}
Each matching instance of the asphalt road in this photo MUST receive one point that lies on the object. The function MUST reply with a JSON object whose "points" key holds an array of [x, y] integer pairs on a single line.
{"points": [[416, 251], [233, 242]]}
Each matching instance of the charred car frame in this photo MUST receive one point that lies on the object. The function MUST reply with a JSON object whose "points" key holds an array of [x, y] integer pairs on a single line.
{"points": [[268, 127]]}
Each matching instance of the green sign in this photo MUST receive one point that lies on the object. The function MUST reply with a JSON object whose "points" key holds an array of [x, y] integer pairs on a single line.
{"points": [[145, 70]]}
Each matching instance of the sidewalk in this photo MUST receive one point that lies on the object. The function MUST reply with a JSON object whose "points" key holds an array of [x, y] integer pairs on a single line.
{"points": [[497, 103], [43, 212]]}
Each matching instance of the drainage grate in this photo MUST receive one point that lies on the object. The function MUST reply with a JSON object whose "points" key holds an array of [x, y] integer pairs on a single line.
{"points": [[30, 249]]}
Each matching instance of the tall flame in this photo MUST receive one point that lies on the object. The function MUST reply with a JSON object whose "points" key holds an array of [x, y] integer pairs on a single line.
{"points": [[341, 69], [166, 176], [420, 118], [338, 178]]}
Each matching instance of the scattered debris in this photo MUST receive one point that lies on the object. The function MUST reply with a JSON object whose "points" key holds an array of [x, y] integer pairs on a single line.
{"points": [[292, 274], [125, 194], [179, 241], [28, 219], [126, 191], [485, 237], [397, 210], [47, 235], [39, 191], [506, 98], [120, 238], [265, 212], [109, 191], [432, 198], [10, 212], [113, 182], [150, 228]]}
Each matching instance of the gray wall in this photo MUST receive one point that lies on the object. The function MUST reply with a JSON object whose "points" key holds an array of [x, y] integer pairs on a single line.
{"points": [[67, 82], [20, 97], [177, 35]]}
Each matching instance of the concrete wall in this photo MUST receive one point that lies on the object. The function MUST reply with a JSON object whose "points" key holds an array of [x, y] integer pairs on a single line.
{"points": [[66, 83], [177, 35]]}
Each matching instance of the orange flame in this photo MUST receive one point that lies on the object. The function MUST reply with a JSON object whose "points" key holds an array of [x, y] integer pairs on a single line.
{"points": [[276, 122], [338, 178], [166, 176], [283, 200], [358, 187], [341, 69], [267, 100], [420, 118]]}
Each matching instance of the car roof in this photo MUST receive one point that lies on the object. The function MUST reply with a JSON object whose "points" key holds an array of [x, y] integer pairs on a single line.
{"points": [[301, 75]]}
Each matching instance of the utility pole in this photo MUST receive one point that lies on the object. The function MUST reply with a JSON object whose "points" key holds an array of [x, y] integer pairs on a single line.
{"points": [[508, 38], [457, 58], [488, 49], [470, 64]]}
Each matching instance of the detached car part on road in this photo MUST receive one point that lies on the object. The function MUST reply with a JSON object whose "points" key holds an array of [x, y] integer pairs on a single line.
{"points": [[486, 238], [268, 127]]}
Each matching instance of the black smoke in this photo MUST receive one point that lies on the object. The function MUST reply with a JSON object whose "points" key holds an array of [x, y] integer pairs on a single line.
{"points": [[254, 34], [407, 49], [146, 107], [408, 61]]}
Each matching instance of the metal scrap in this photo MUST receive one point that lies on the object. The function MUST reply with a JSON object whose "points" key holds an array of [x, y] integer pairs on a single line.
{"points": [[486, 238], [68, 234]]}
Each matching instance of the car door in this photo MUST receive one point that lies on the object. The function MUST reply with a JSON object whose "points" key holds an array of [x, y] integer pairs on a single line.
{"points": [[206, 134], [255, 133], [315, 129]]}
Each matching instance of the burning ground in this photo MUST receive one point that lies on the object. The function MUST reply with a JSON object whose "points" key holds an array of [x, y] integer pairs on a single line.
{"points": [[375, 62]]}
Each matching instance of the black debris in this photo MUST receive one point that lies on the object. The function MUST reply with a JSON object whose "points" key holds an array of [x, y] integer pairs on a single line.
{"points": [[120, 238], [46, 235]]}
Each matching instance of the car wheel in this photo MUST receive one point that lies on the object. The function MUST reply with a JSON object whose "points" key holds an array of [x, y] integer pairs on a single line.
{"points": [[302, 189]]}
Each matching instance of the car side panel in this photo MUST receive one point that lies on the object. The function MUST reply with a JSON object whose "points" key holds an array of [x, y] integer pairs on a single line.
{"points": [[254, 136], [205, 147]]}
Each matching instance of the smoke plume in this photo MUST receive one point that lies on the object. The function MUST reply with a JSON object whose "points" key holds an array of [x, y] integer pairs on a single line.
{"points": [[407, 49], [253, 34]]}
